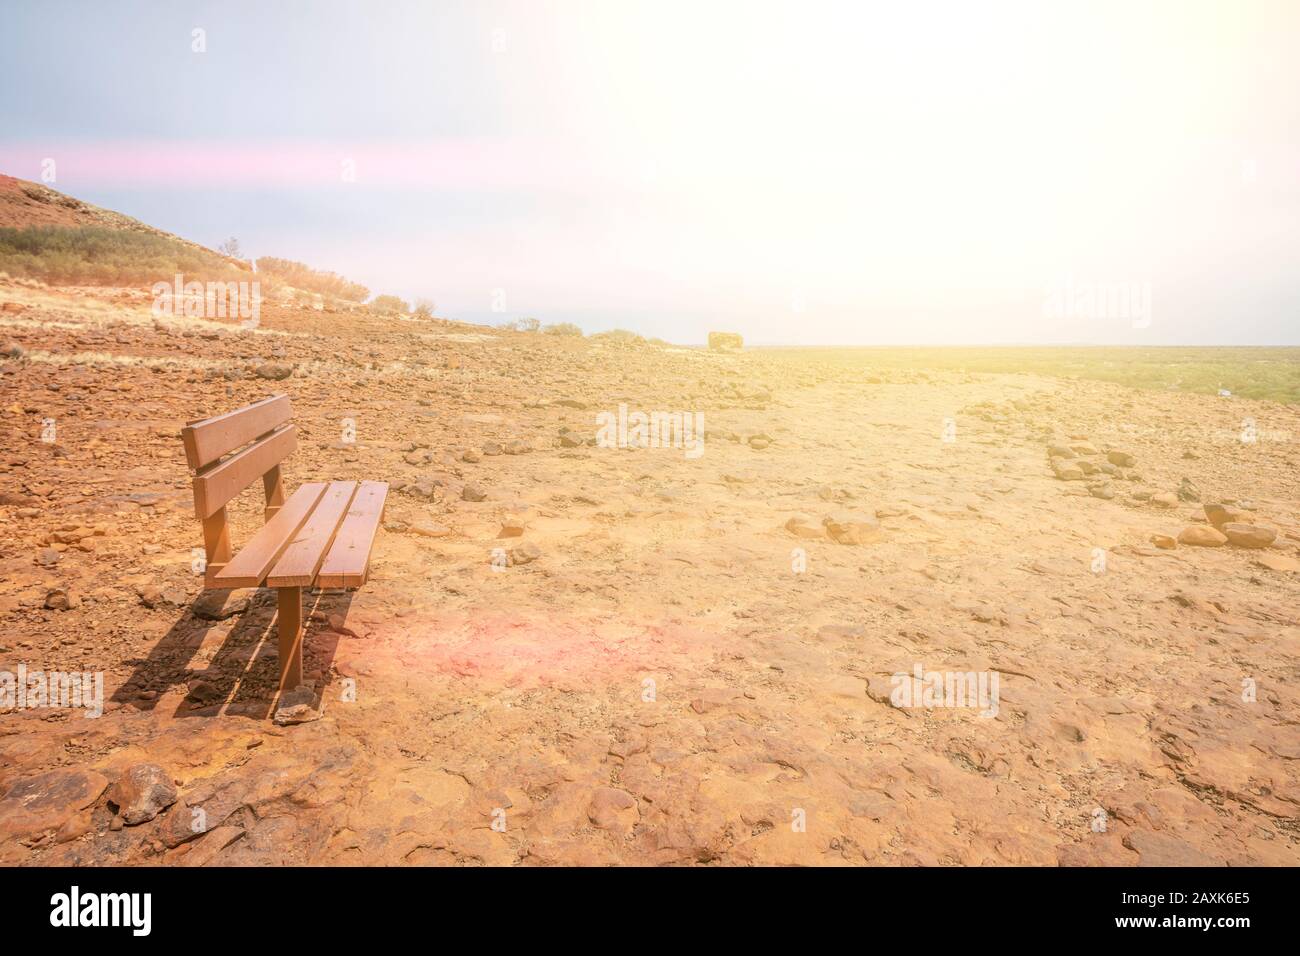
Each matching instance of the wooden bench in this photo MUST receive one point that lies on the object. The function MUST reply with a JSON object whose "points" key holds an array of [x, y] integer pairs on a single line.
{"points": [[321, 536]]}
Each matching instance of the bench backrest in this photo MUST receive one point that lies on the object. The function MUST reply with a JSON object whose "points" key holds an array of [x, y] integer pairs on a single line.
{"points": [[228, 453]]}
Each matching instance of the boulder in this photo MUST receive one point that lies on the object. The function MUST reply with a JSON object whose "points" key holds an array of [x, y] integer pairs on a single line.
{"points": [[1202, 535], [1219, 515], [141, 793], [1248, 535]]}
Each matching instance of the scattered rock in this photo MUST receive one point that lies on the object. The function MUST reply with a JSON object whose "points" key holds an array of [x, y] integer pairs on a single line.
{"points": [[218, 605], [180, 825], [60, 599], [1164, 541], [1121, 459], [523, 554], [801, 526], [846, 527], [274, 371], [141, 793], [472, 493], [426, 489], [429, 529], [153, 596], [1248, 535], [1202, 536], [299, 706], [204, 692], [1219, 515], [1187, 491], [1067, 470], [338, 624]]}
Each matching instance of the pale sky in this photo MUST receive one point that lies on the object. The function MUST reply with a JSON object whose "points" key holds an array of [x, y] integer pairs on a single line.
{"points": [[802, 173]]}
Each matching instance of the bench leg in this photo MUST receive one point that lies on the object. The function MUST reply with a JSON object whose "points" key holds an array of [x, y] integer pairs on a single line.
{"points": [[289, 602], [273, 485]]}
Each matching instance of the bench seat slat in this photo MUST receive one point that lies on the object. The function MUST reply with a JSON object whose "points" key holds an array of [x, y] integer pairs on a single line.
{"points": [[348, 562], [301, 560], [249, 567], [216, 486], [208, 439]]}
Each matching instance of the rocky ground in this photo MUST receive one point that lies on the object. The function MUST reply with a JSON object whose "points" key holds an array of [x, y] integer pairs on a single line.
{"points": [[570, 654]]}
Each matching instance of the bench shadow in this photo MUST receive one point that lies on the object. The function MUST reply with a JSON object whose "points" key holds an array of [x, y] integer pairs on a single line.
{"points": [[243, 675]]}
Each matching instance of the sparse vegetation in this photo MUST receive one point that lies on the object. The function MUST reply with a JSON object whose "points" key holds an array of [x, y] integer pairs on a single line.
{"points": [[230, 248], [103, 255], [522, 325], [390, 305], [302, 276], [621, 338], [563, 328], [424, 309]]}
